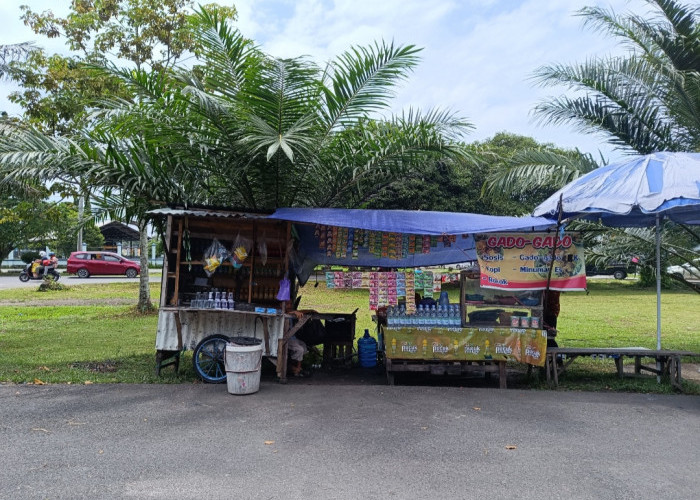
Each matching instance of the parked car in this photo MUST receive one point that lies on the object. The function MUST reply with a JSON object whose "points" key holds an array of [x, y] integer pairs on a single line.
{"points": [[86, 264], [689, 271], [617, 270]]}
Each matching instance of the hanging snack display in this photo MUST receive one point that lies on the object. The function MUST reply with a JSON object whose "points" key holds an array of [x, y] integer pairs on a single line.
{"points": [[214, 256]]}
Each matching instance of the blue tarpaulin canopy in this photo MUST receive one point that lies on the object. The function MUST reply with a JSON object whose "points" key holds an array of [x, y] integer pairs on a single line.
{"points": [[411, 221], [460, 248]]}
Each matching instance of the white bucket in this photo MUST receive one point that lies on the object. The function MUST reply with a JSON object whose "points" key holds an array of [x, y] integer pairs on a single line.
{"points": [[243, 368]]}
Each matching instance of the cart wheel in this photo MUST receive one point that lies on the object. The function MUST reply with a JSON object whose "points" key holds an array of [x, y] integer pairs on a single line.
{"points": [[208, 359]]}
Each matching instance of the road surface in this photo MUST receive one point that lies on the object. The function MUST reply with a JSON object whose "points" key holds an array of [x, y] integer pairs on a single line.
{"points": [[8, 280], [299, 441]]}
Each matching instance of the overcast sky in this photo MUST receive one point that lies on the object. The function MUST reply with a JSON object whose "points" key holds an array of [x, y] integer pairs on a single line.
{"points": [[477, 60]]}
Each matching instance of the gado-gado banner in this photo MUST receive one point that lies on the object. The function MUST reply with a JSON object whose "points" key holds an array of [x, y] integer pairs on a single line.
{"points": [[521, 261], [467, 344]]}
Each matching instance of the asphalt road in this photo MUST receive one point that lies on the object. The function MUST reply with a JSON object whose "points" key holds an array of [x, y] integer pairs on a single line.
{"points": [[344, 442], [12, 281]]}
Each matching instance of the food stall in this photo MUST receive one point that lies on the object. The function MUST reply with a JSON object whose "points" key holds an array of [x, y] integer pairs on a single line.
{"points": [[224, 272], [227, 274], [394, 250]]}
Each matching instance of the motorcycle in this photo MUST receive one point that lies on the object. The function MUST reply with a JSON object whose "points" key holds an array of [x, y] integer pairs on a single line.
{"points": [[27, 274]]}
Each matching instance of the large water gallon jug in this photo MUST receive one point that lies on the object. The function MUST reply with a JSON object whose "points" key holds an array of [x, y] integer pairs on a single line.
{"points": [[367, 351]]}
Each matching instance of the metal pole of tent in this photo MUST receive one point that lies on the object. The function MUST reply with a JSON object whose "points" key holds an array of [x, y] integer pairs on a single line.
{"points": [[658, 296]]}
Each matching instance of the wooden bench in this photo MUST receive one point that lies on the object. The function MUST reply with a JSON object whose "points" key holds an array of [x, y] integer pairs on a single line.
{"points": [[666, 362]]}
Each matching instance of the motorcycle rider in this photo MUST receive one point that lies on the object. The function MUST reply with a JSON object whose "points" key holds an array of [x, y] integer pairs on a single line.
{"points": [[43, 262], [52, 263]]}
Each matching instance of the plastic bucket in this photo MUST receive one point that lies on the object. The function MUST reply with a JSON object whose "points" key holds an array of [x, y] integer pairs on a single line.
{"points": [[242, 362]]}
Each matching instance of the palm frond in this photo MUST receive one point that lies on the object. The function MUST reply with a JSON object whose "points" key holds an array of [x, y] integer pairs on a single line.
{"points": [[361, 81]]}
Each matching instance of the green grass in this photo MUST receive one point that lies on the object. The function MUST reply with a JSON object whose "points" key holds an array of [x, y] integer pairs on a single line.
{"points": [[85, 339]]}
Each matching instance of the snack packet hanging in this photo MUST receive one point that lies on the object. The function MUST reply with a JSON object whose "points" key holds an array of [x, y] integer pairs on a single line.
{"points": [[214, 256], [241, 250]]}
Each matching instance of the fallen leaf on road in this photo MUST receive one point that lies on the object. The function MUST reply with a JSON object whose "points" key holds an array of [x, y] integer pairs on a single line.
{"points": [[476, 408], [424, 428], [269, 442], [511, 447], [88, 382], [38, 382]]}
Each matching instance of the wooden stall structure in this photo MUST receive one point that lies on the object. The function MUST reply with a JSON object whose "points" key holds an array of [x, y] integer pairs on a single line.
{"points": [[187, 316], [202, 311]]}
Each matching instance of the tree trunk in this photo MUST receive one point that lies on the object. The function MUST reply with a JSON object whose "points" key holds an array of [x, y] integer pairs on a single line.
{"points": [[144, 289]]}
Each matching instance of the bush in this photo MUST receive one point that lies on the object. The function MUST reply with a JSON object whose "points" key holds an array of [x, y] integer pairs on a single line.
{"points": [[28, 257]]}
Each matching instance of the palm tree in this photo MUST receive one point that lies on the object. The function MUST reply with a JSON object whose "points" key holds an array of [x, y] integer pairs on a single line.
{"points": [[249, 130], [244, 129], [645, 101], [539, 172]]}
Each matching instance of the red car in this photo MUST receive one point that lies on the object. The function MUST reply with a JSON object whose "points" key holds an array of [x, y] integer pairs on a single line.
{"points": [[86, 264]]}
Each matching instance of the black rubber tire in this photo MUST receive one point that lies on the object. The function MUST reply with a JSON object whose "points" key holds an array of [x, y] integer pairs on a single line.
{"points": [[83, 273], [131, 273], [208, 359], [619, 275], [23, 276]]}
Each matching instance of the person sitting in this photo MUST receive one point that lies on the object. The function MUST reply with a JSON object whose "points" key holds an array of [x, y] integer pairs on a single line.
{"points": [[312, 333], [49, 263], [43, 263]]}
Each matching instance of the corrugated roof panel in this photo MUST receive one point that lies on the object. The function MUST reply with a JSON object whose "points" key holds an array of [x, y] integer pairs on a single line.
{"points": [[202, 212]]}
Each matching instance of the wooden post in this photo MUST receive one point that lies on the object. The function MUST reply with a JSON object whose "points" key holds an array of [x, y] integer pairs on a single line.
{"points": [[168, 248], [176, 290], [252, 263], [502, 374], [618, 364]]}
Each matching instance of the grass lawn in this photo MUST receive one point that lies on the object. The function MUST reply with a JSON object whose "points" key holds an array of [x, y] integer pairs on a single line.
{"points": [[94, 334]]}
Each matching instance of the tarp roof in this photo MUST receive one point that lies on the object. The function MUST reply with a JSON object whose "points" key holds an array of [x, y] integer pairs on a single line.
{"points": [[412, 222]]}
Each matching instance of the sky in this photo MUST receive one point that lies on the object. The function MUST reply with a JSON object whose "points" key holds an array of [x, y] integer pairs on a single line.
{"points": [[478, 56]]}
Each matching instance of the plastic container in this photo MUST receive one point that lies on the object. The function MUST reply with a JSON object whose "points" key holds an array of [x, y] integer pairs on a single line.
{"points": [[367, 350], [242, 360], [535, 322], [525, 322]]}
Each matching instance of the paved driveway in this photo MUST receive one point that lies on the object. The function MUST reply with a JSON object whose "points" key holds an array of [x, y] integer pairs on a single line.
{"points": [[344, 442]]}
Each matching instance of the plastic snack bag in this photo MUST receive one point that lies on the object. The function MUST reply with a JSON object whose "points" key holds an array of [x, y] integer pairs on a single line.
{"points": [[240, 252], [214, 256]]}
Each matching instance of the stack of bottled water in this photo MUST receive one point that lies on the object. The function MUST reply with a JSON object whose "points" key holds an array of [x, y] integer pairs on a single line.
{"points": [[445, 316], [213, 300]]}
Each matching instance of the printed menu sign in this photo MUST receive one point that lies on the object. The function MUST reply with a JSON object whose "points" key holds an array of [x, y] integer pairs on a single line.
{"points": [[522, 261]]}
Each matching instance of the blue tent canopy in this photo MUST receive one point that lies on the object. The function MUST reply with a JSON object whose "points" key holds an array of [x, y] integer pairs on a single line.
{"points": [[412, 222], [434, 225]]}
